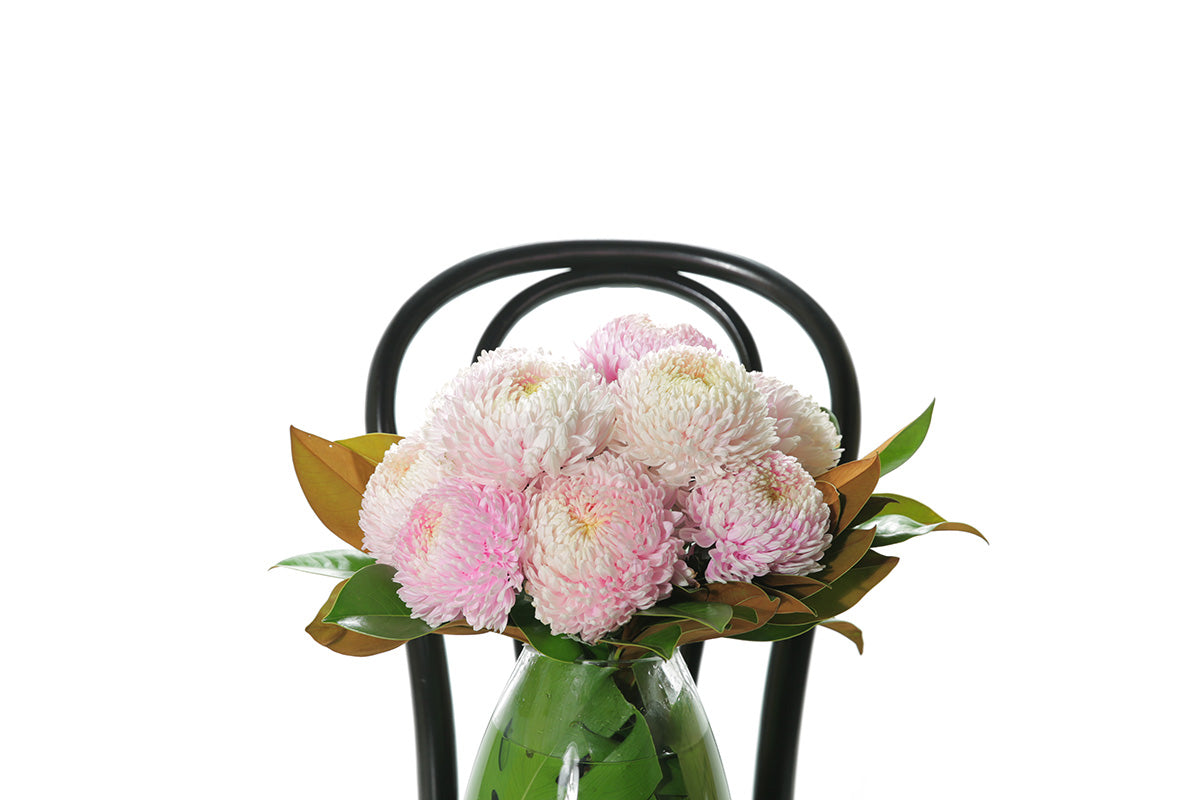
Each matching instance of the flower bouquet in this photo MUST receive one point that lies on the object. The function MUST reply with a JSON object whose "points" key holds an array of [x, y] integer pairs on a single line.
{"points": [[605, 511]]}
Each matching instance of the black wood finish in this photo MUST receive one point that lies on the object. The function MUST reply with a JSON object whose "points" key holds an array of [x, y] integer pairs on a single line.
{"points": [[591, 264]]}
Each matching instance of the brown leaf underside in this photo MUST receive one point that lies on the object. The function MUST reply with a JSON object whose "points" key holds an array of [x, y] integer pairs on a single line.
{"points": [[856, 481], [341, 640], [333, 478]]}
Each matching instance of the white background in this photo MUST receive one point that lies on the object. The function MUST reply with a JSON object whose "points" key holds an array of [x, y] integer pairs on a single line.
{"points": [[210, 211]]}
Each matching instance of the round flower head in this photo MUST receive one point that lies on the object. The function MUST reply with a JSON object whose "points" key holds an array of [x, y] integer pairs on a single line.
{"points": [[626, 339], [408, 470], [769, 517], [514, 414], [458, 554], [691, 413], [806, 431], [600, 546]]}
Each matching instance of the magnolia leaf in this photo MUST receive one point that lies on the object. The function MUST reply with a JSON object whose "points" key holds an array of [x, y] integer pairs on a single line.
{"points": [[743, 619], [898, 449], [396, 628], [713, 615], [744, 614], [690, 631], [459, 627], [847, 629], [832, 498], [895, 528], [913, 509], [342, 640], [744, 597], [845, 552], [872, 508], [538, 635], [852, 586], [368, 603], [788, 602], [334, 563], [798, 586], [333, 478], [795, 619], [740, 594], [774, 633], [371, 446], [855, 481], [907, 518], [661, 641], [513, 632]]}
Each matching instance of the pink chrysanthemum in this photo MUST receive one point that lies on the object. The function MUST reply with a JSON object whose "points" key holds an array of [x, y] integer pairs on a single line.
{"points": [[626, 339], [458, 554], [407, 471], [600, 546], [514, 414], [769, 517], [806, 431], [691, 413]]}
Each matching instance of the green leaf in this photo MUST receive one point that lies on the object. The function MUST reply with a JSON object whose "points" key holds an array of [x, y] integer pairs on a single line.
{"points": [[907, 518], [914, 509], [713, 615], [746, 614], [662, 642], [871, 509], [843, 553], [561, 708], [797, 586], [334, 563], [901, 447], [560, 648], [895, 528], [793, 619], [368, 604], [852, 586], [775, 633], [630, 771], [342, 640]]}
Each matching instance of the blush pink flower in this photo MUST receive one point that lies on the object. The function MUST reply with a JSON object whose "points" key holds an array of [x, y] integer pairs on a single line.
{"points": [[600, 546], [806, 431], [768, 517], [458, 554], [407, 471], [626, 339], [515, 414], [688, 412]]}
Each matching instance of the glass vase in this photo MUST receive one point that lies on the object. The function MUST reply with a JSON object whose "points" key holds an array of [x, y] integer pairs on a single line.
{"points": [[598, 730]]}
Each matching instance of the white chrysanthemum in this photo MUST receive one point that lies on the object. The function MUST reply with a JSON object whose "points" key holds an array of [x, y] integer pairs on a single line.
{"points": [[805, 430], [407, 471], [691, 413], [515, 414], [768, 517], [600, 546]]}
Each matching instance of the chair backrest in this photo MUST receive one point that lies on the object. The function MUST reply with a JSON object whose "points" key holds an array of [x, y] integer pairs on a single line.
{"points": [[591, 264]]}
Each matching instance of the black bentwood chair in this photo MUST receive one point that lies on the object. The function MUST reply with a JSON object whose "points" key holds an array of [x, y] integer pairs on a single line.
{"points": [[592, 264]]}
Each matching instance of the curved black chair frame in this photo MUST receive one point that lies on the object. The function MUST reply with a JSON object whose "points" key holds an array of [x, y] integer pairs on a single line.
{"points": [[592, 264]]}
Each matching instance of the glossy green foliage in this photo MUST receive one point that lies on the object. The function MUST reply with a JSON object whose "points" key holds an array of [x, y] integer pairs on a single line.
{"points": [[333, 563]]}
